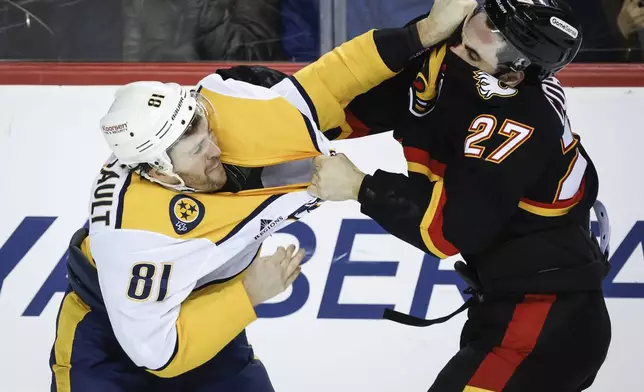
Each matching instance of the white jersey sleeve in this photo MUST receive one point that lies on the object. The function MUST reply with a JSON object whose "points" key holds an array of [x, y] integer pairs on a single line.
{"points": [[145, 278]]}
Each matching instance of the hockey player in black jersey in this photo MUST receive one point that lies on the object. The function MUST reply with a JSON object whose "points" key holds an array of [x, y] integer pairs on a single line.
{"points": [[496, 175]]}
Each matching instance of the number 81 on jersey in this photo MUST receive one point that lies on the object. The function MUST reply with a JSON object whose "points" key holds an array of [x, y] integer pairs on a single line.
{"points": [[143, 281]]}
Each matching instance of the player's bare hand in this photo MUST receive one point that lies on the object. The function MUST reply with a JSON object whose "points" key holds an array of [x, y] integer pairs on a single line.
{"points": [[630, 18], [335, 178], [269, 276], [443, 19]]}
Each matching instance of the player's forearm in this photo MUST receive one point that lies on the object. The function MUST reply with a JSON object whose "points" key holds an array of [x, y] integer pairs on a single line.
{"points": [[380, 198], [354, 68], [396, 47], [409, 208], [400, 205], [209, 319]]}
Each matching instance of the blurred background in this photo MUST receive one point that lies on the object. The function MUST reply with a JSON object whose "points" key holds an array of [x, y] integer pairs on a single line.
{"points": [[253, 30]]}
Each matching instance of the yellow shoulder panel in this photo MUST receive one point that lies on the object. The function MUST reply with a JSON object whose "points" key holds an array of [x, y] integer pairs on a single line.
{"points": [[150, 207]]}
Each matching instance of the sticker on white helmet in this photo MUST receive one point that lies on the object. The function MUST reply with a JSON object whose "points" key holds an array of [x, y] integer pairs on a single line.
{"points": [[113, 129], [565, 27]]}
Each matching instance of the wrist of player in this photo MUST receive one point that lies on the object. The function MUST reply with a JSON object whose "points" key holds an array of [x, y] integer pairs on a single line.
{"points": [[349, 188], [356, 184], [428, 34], [443, 20]]}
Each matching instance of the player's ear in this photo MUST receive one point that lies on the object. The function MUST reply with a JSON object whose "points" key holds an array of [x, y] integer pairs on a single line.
{"points": [[512, 79]]}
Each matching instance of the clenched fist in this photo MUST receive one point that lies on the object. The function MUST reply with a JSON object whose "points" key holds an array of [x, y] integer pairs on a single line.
{"points": [[335, 178], [443, 19]]}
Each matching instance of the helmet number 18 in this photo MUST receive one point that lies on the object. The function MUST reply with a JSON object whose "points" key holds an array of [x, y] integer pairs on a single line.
{"points": [[155, 100]]}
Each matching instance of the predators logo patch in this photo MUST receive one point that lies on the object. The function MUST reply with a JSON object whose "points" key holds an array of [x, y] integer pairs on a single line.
{"points": [[426, 87], [488, 86], [185, 213]]}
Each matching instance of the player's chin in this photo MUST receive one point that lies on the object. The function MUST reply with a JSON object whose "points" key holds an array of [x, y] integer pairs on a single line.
{"points": [[216, 178]]}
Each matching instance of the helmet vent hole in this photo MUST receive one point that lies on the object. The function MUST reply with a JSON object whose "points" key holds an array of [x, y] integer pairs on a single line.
{"points": [[183, 122], [131, 134], [190, 108]]}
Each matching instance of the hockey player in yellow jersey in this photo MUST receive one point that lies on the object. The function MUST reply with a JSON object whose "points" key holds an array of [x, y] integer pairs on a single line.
{"points": [[165, 280]]}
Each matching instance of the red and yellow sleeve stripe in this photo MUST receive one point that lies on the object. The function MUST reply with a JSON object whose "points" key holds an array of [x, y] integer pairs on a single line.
{"points": [[209, 319], [419, 161], [559, 208], [431, 227]]}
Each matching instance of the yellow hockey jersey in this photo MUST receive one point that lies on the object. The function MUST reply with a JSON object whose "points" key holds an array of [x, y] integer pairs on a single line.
{"points": [[169, 264]]}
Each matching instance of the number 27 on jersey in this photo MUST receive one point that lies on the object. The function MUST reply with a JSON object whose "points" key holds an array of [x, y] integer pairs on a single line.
{"points": [[483, 128]]}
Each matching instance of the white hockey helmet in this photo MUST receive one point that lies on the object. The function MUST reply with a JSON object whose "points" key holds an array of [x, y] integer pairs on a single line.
{"points": [[145, 119]]}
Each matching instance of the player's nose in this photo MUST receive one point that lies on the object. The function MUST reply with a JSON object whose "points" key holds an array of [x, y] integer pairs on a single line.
{"points": [[214, 152]]}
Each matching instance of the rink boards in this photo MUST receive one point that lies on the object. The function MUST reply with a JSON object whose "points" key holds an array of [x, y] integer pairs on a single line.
{"points": [[326, 334]]}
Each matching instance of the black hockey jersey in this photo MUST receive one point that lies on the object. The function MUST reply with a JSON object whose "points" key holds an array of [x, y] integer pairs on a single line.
{"points": [[495, 173]]}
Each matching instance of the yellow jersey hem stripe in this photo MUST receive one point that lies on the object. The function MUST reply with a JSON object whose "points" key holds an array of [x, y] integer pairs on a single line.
{"points": [[73, 311], [547, 212], [475, 389]]}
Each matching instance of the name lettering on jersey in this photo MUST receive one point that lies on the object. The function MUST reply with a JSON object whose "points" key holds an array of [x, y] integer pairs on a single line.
{"points": [[104, 195], [488, 86], [185, 213], [265, 225]]}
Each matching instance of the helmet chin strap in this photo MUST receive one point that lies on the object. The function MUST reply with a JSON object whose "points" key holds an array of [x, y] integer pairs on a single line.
{"points": [[181, 187], [163, 164]]}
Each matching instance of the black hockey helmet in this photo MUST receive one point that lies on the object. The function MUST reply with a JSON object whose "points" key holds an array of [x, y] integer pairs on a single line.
{"points": [[545, 32]]}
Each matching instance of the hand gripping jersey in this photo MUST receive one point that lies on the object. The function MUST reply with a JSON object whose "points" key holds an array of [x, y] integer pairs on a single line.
{"points": [[169, 265]]}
